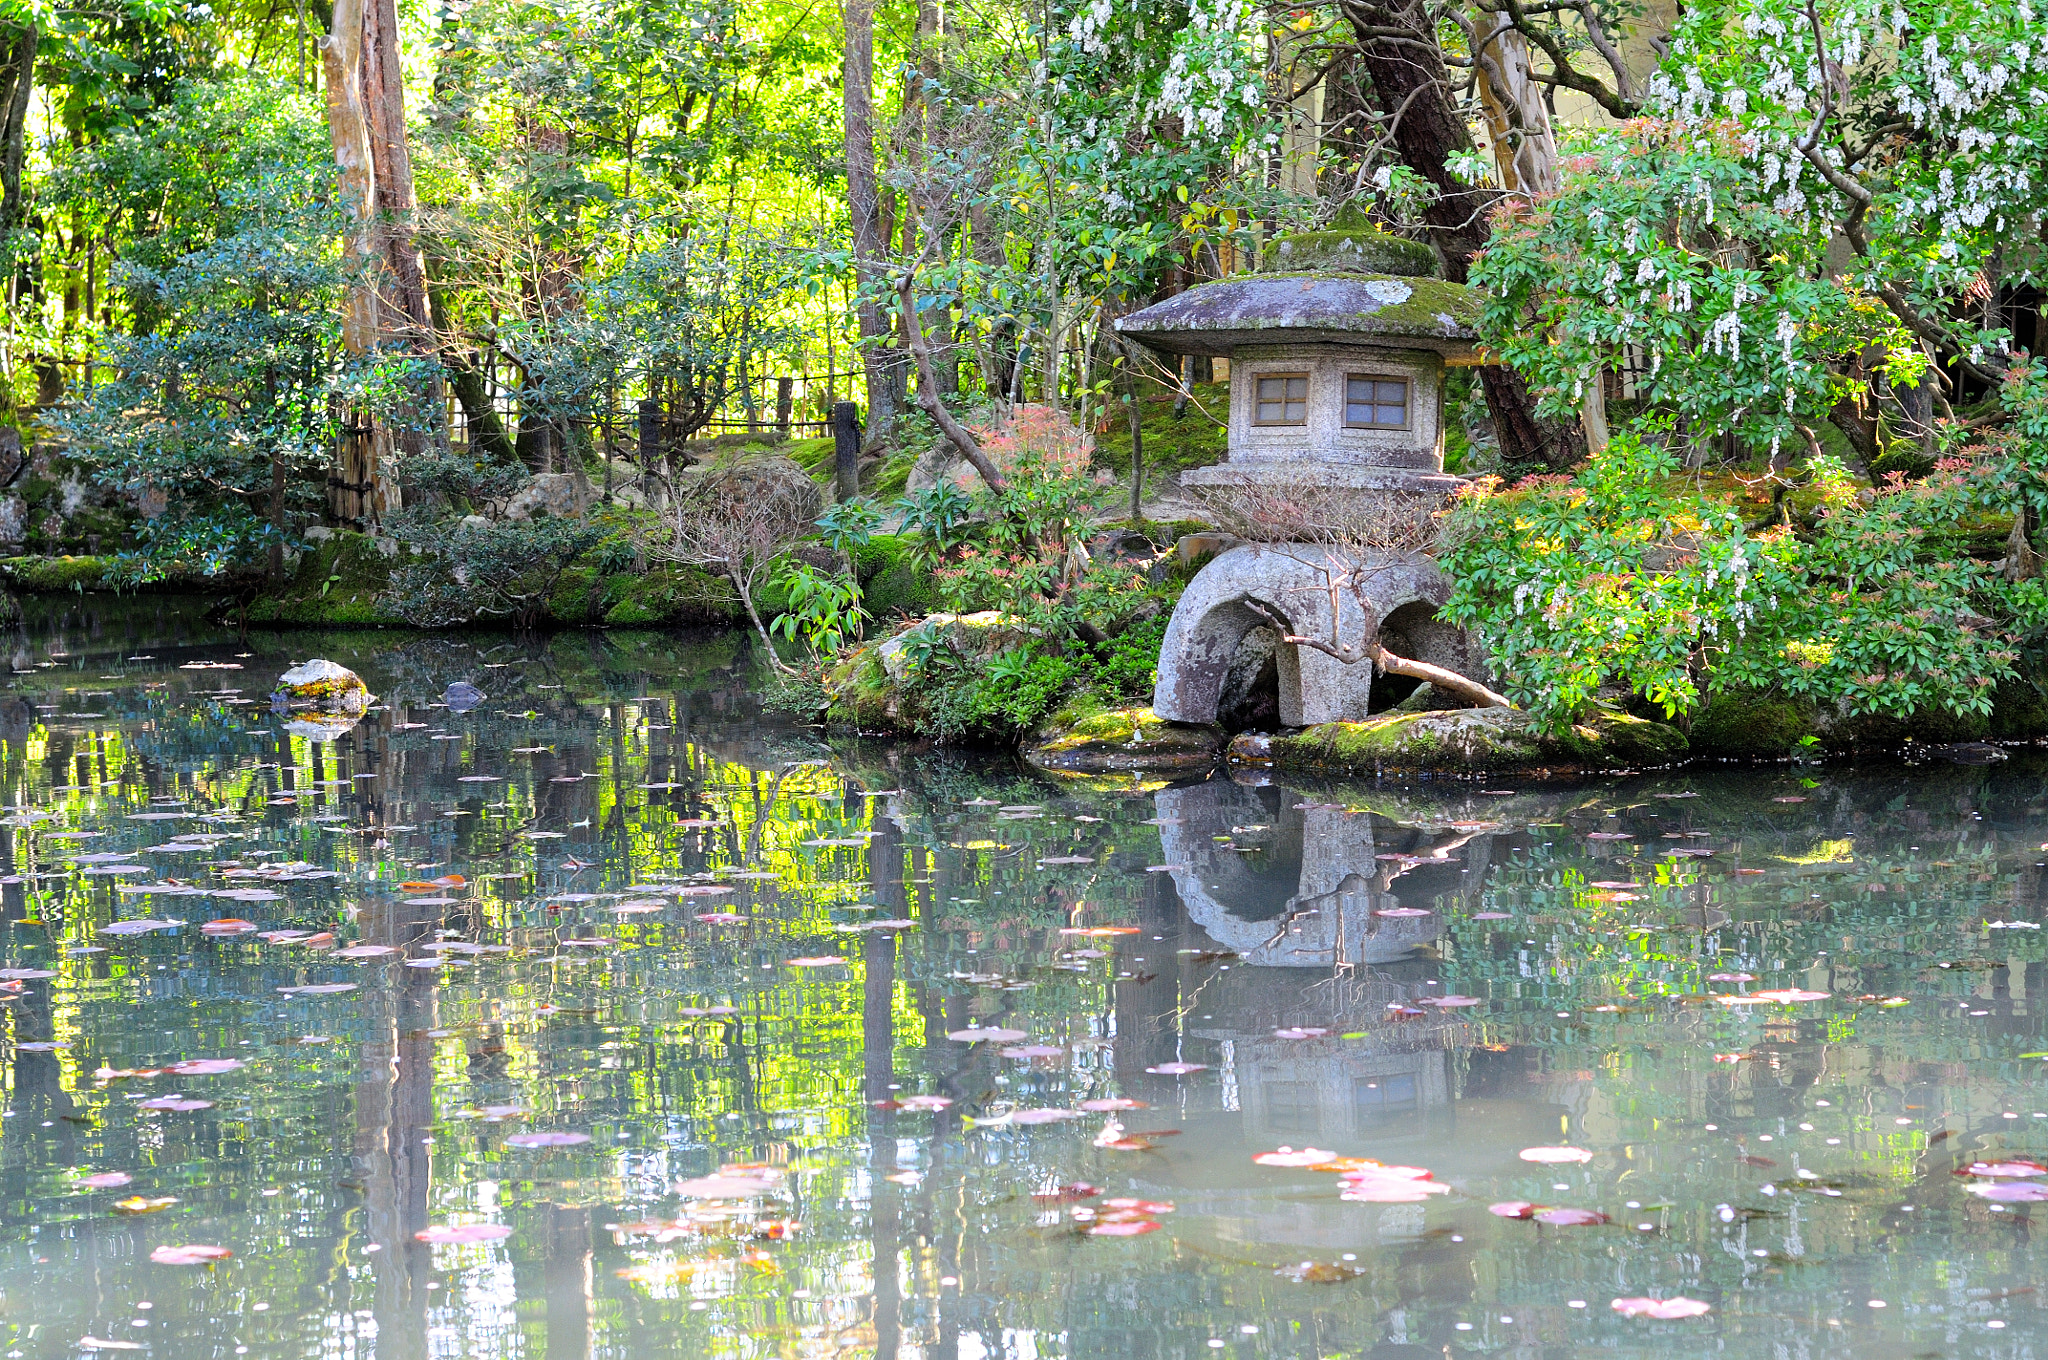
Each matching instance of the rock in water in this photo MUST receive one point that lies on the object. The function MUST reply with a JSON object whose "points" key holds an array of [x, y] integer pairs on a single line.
{"points": [[324, 685], [1123, 739], [462, 696]]}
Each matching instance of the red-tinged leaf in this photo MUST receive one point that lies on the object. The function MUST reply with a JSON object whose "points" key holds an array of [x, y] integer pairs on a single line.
{"points": [[2007, 1169], [1294, 1157], [228, 925], [2009, 1192], [1513, 1208]]}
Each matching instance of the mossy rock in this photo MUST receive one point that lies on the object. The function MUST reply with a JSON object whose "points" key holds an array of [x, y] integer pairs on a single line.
{"points": [[49, 575], [1078, 741], [340, 582], [892, 581], [670, 595], [1745, 726], [1469, 741], [864, 696]]}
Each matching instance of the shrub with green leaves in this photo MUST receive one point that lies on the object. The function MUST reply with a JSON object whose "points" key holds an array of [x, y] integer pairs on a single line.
{"points": [[1633, 573]]}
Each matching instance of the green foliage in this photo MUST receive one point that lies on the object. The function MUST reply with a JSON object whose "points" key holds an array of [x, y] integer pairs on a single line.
{"points": [[936, 514], [475, 569], [822, 612], [1632, 574], [846, 526], [223, 404]]}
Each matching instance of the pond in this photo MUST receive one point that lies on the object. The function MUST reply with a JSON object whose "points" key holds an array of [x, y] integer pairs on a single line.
{"points": [[609, 1017]]}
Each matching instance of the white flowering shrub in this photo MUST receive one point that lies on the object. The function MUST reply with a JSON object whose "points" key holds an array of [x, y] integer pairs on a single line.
{"points": [[1818, 195]]}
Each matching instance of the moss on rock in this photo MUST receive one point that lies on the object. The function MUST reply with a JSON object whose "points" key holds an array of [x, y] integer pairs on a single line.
{"points": [[1745, 726], [1469, 741], [48, 575], [340, 582], [1084, 738]]}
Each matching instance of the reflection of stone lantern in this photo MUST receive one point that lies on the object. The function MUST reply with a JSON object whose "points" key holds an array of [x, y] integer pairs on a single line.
{"points": [[1337, 350]]}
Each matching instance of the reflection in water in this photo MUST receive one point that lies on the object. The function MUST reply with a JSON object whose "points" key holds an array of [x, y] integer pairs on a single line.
{"points": [[643, 1003]]}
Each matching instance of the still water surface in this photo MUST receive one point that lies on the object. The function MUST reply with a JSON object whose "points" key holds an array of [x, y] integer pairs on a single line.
{"points": [[663, 1022]]}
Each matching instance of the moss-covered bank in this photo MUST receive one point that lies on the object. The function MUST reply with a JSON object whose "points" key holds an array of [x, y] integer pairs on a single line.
{"points": [[1468, 741]]}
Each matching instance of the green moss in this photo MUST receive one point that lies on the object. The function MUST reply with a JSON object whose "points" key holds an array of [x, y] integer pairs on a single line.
{"points": [[892, 581], [670, 595], [48, 575], [1173, 443], [1741, 725], [1086, 737], [1475, 740], [341, 581]]}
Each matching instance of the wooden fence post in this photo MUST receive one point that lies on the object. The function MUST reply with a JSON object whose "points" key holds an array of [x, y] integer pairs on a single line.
{"points": [[846, 448]]}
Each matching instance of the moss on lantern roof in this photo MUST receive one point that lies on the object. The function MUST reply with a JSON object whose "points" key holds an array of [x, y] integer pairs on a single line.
{"points": [[1351, 244], [1401, 312]]}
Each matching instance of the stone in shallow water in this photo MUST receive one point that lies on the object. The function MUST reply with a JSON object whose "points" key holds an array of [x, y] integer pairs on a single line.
{"points": [[323, 684], [1124, 739], [1467, 740]]}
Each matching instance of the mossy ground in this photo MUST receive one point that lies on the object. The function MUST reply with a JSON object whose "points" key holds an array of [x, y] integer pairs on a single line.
{"points": [[1473, 741]]}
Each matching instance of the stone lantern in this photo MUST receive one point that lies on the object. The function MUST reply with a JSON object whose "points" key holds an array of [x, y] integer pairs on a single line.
{"points": [[1338, 347]]}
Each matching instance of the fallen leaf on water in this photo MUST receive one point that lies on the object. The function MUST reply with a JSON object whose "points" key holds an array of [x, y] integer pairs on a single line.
{"points": [[1731, 977], [319, 989], [547, 1139], [190, 1254], [1106, 1103], [1029, 1051], [1066, 1194], [455, 1234], [365, 951], [1554, 1156], [991, 1035], [726, 1186], [2014, 1168], [1790, 798], [228, 925], [923, 1103], [1293, 1157], [144, 1204], [2009, 1192], [1301, 1033], [820, 961], [1664, 1310], [1402, 913], [1790, 995], [1124, 1228], [178, 1103], [1317, 1272], [96, 1343], [1513, 1208], [1389, 1185], [206, 1067], [1451, 1001], [104, 1180], [1043, 1116], [1570, 1218], [1177, 1069]]}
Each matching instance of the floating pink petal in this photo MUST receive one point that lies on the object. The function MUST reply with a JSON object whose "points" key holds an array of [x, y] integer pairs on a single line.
{"points": [[550, 1138], [190, 1254], [206, 1067], [2009, 1192], [1034, 1051], [2012, 1168], [993, 1035], [1664, 1310], [1554, 1156], [463, 1234], [1570, 1218], [1293, 1157], [105, 1180], [1177, 1069]]}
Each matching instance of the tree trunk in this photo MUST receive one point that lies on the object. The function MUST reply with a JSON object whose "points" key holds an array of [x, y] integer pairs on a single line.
{"points": [[880, 362], [479, 413], [1414, 90], [17, 85], [386, 310]]}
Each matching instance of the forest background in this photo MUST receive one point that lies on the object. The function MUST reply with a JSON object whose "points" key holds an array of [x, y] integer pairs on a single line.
{"points": [[1764, 278]]}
